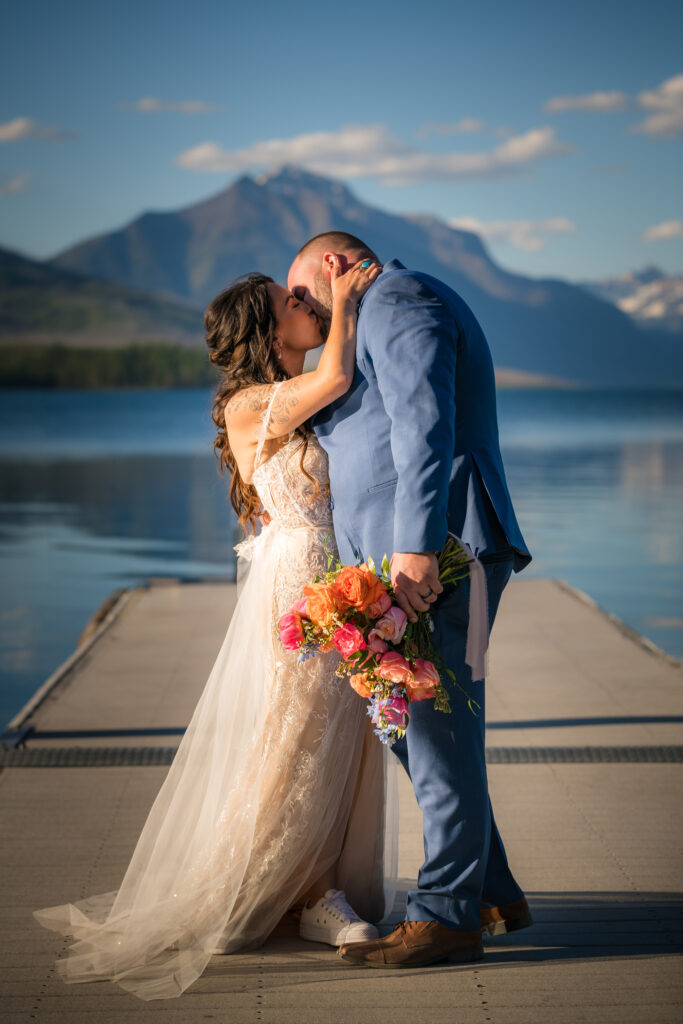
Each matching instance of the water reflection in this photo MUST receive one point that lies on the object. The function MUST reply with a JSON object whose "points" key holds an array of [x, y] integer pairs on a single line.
{"points": [[102, 491], [73, 531], [608, 520], [156, 501], [643, 467]]}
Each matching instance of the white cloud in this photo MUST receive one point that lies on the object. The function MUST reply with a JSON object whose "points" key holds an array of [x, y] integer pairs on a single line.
{"points": [[152, 105], [466, 126], [667, 229], [667, 103], [19, 183], [26, 128], [359, 151], [528, 235], [598, 102]]}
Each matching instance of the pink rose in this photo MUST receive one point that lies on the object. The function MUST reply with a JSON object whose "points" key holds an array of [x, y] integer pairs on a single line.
{"points": [[394, 710], [291, 630], [425, 680], [379, 607], [391, 626], [376, 644], [394, 668], [348, 639], [300, 607]]}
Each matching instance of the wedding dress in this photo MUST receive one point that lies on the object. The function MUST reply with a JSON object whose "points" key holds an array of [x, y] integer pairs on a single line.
{"points": [[277, 778]]}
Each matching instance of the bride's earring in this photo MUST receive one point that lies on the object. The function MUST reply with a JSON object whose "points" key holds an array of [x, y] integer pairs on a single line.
{"points": [[278, 348]]}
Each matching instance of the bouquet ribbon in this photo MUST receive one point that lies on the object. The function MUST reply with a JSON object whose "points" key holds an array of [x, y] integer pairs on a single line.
{"points": [[478, 625]]}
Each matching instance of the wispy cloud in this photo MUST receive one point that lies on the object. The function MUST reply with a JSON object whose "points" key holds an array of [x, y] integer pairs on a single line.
{"points": [[667, 229], [152, 105], [26, 128], [466, 126], [372, 151], [666, 102], [11, 187], [597, 102], [528, 235]]}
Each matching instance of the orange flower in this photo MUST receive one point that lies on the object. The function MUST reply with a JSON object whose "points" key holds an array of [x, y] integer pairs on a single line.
{"points": [[359, 682], [359, 587], [322, 602]]}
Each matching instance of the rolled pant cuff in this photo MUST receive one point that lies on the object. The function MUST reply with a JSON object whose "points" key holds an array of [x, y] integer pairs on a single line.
{"points": [[461, 914]]}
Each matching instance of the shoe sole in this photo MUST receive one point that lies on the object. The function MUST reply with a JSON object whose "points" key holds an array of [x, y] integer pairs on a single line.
{"points": [[513, 924], [315, 934], [456, 956]]}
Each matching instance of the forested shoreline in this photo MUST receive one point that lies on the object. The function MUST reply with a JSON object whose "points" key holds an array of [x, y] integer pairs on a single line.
{"points": [[55, 365]]}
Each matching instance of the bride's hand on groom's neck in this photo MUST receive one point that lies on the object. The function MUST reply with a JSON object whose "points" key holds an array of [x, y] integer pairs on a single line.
{"points": [[415, 579]]}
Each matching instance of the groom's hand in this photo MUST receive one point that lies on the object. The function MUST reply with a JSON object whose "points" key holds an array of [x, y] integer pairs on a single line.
{"points": [[415, 578]]}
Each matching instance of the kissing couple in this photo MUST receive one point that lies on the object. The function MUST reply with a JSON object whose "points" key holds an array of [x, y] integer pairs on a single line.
{"points": [[276, 798]]}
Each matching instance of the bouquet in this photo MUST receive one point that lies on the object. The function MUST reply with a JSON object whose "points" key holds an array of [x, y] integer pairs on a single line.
{"points": [[389, 661]]}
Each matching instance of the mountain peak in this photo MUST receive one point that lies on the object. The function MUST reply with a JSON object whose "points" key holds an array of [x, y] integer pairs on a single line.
{"points": [[649, 274], [288, 179], [258, 223], [649, 296]]}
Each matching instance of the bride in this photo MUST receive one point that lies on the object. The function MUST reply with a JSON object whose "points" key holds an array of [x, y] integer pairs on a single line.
{"points": [[275, 797]]}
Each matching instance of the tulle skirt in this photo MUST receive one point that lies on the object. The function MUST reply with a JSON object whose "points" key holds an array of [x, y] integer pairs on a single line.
{"points": [[277, 778]]}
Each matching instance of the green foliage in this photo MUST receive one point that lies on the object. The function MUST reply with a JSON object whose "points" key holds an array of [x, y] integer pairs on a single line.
{"points": [[136, 365]]}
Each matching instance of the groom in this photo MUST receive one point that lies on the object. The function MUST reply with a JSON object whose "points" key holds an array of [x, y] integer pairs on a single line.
{"points": [[413, 455]]}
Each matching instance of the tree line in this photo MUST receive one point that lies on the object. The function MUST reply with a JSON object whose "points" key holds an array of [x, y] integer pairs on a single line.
{"points": [[54, 365]]}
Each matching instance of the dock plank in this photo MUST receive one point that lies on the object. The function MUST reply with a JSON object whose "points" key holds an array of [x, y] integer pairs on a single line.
{"points": [[596, 846]]}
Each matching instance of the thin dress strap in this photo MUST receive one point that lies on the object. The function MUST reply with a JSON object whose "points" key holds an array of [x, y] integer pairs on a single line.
{"points": [[264, 426]]}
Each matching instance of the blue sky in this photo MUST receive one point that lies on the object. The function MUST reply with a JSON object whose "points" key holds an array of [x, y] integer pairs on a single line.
{"points": [[556, 130]]}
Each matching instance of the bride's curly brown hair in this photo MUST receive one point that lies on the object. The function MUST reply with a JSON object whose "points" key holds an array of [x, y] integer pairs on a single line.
{"points": [[240, 330]]}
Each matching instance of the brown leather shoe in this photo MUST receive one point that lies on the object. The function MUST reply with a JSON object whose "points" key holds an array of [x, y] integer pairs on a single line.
{"points": [[508, 917], [416, 944]]}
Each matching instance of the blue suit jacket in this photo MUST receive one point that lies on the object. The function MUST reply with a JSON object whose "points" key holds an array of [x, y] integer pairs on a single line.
{"points": [[413, 445]]}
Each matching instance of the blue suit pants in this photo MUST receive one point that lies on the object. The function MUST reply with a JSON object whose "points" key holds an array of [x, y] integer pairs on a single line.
{"points": [[444, 755]]}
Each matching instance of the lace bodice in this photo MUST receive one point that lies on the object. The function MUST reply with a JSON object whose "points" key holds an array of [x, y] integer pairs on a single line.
{"points": [[289, 496]]}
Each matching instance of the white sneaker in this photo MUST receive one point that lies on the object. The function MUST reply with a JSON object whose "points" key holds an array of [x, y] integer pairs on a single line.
{"points": [[333, 921]]}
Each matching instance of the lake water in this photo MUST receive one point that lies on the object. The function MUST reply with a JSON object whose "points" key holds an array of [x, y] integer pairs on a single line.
{"points": [[100, 490]]}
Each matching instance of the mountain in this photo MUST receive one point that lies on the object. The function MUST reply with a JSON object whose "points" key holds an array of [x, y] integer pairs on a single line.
{"points": [[543, 327], [44, 303], [650, 296]]}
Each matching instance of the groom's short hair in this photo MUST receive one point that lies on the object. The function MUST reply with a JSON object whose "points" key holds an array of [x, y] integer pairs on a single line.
{"points": [[336, 241]]}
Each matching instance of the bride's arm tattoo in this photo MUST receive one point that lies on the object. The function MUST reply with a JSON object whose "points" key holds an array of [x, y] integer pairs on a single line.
{"points": [[251, 399], [286, 400], [244, 412]]}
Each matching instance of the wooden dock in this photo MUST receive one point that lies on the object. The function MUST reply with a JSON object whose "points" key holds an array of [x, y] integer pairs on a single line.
{"points": [[585, 740]]}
